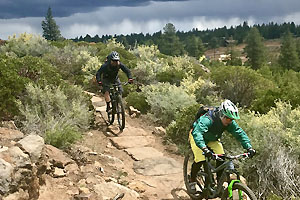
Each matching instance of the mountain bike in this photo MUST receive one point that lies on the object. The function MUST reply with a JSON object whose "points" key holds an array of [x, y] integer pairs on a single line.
{"points": [[225, 187], [116, 105]]}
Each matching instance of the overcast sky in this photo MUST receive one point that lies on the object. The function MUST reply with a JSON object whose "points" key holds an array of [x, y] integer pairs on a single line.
{"points": [[81, 17]]}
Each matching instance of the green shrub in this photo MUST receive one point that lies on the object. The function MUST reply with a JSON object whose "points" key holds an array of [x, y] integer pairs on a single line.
{"points": [[208, 94], [71, 61], [179, 129], [15, 73], [170, 76], [54, 108], [62, 138], [61, 43], [166, 100], [152, 66], [138, 101], [275, 136], [126, 57], [286, 89], [240, 84], [11, 86], [26, 45]]}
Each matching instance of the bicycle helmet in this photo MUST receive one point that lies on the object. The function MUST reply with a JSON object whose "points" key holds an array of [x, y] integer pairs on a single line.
{"points": [[230, 110], [114, 56]]}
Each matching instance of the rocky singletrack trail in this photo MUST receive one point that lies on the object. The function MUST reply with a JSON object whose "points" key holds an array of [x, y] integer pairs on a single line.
{"points": [[143, 163], [136, 162]]}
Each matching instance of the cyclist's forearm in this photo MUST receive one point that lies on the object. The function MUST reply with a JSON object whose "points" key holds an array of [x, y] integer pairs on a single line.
{"points": [[126, 71], [98, 76]]}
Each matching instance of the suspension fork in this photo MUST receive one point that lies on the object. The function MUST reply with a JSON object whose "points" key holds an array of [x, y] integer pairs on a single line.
{"points": [[113, 101]]}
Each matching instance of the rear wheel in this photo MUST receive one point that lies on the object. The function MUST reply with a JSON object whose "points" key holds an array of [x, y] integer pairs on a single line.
{"points": [[120, 113], [239, 192], [187, 165]]}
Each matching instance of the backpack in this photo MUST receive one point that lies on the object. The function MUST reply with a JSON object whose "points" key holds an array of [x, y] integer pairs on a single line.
{"points": [[202, 110]]}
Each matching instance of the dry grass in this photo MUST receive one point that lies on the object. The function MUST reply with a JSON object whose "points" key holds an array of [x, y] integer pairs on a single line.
{"points": [[273, 47]]}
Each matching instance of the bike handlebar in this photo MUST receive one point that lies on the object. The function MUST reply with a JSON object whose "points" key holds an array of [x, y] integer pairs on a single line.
{"points": [[121, 83], [230, 157]]}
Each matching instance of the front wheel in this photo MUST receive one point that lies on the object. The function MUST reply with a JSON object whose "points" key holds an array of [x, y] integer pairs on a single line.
{"points": [[110, 114], [239, 192], [120, 113]]}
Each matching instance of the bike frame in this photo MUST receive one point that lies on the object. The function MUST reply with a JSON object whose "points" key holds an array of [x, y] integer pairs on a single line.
{"points": [[117, 107], [114, 92], [227, 167]]}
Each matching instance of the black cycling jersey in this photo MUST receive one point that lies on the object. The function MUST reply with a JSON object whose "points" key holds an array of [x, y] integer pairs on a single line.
{"points": [[110, 73]]}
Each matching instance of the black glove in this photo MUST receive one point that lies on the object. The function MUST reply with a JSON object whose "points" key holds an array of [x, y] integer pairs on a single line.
{"points": [[208, 153], [251, 152]]}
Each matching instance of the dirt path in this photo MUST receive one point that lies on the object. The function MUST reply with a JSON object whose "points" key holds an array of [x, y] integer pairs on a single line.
{"points": [[146, 165]]}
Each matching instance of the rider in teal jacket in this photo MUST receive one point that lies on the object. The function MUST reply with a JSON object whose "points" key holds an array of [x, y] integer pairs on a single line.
{"points": [[207, 131]]}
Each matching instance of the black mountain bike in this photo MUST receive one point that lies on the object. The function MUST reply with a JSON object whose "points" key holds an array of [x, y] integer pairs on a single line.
{"points": [[116, 104], [208, 187]]}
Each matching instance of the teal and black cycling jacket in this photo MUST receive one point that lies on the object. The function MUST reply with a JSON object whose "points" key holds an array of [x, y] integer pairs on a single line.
{"points": [[209, 127]]}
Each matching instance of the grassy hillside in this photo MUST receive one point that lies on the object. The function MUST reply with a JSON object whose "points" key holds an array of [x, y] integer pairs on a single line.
{"points": [[273, 47]]}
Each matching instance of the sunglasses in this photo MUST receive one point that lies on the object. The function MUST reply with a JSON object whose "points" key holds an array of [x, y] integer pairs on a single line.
{"points": [[228, 118]]}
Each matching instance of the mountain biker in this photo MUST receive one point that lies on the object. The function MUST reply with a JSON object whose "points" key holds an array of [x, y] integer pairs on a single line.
{"points": [[108, 74], [206, 133]]}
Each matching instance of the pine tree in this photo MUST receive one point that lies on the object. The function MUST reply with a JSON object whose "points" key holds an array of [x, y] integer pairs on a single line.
{"points": [[255, 49], [169, 43], [50, 28], [298, 47], [288, 53], [194, 46], [234, 59]]}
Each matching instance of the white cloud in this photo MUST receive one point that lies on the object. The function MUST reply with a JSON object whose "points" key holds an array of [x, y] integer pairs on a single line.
{"points": [[76, 29], [10, 27], [294, 17]]}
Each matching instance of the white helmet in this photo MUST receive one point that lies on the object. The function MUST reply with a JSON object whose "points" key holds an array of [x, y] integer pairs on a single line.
{"points": [[114, 56], [230, 110]]}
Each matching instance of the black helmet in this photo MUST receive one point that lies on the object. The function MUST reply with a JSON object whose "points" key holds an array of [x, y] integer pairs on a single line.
{"points": [[114, 56]]}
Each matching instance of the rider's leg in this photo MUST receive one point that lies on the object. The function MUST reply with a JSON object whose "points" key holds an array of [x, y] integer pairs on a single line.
{"points": [[217, 148], [107, 100], [195, 169], [107, 97], [105, 91], [199, 158]]}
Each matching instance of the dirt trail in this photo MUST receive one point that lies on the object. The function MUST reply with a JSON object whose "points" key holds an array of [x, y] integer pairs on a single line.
{"points": [[148, 166]]}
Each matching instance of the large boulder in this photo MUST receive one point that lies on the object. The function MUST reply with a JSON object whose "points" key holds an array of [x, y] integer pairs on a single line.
{"points": [[32, 144]]}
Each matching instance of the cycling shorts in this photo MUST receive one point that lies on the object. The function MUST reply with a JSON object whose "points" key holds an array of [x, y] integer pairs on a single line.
{"points": [[215, 146]]}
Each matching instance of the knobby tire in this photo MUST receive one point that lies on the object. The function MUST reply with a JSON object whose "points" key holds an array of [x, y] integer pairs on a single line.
{"points": [[186, 176], [111, 115], [120, 113], [242, 187]]}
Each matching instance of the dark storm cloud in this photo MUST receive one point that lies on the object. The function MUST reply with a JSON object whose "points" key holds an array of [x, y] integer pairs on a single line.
{"points": [[259, 9], [81, 17], [61, 8]]}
